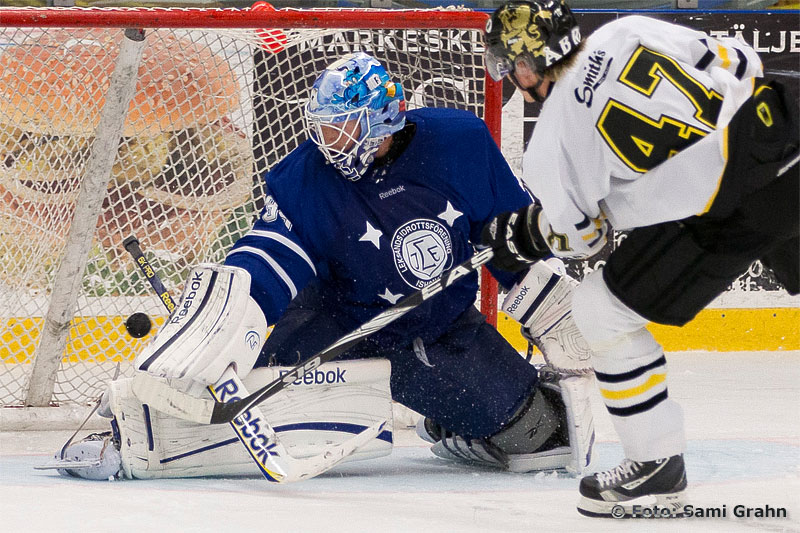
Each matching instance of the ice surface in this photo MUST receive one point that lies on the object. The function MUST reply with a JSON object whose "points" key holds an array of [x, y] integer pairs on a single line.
{"points": [[744, 449]]}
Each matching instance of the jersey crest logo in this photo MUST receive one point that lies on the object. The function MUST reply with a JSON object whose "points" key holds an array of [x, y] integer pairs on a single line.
{"points": [[422, 250]]}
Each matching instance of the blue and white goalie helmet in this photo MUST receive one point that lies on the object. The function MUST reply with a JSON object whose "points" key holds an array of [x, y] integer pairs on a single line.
{"points": [[353, 107]]}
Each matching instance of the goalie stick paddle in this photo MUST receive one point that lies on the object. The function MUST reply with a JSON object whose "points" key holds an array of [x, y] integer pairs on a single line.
{"points": [[204, 411], [253, 430]]}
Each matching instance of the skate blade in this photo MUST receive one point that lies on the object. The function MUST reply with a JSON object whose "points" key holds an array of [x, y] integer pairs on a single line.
{"points": [[651, 506], [67, 464]]}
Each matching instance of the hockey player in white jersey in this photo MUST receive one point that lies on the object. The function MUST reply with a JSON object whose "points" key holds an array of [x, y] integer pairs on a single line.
{"points": [[670, 133]]}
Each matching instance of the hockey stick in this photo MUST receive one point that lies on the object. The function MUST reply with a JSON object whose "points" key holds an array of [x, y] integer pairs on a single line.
{"points": [[157, 392], [252, 428], [131, 244]]}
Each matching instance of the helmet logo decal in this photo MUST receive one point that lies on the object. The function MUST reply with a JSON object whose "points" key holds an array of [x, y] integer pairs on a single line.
{"points": [[540, 33], [521, 29]]}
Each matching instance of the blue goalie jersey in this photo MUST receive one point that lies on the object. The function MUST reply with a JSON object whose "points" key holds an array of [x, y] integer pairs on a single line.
{"points": [[371, 242]]}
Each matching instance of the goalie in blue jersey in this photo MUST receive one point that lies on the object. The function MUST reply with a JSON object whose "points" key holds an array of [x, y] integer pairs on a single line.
{"points": [[375, 205], [378, 203]]}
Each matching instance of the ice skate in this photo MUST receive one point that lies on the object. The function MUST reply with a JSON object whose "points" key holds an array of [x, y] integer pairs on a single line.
{"points": [[649, 489], [431, 431], [96, 457]]}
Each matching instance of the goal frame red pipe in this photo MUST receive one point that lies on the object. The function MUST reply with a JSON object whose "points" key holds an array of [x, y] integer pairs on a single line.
{"points": [[75, 17]]}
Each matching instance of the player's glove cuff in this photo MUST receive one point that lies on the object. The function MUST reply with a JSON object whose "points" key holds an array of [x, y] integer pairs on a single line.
{"points": [[515, 238]]}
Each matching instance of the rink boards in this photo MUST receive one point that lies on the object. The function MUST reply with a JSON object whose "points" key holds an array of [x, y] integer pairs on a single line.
{"points": [[723, 330]]}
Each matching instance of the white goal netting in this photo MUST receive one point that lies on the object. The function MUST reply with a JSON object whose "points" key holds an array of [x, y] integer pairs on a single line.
{"points": [[211, 111]]}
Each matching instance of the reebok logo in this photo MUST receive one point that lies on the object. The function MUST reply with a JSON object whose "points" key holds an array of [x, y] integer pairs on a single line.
{"points": [[535, 429], [256, 436], [191, 293], [517, 300], [318, 377], [253, 339], [391, 192]]}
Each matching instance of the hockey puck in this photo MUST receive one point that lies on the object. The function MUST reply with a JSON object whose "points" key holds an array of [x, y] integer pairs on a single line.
{"points": [[138, 325]]}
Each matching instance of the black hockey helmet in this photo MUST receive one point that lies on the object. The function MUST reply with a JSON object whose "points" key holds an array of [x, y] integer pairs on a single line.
{"points": [[540, 32]]}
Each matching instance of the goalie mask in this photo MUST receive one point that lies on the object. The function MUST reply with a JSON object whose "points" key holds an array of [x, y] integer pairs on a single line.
{"points": [[354, 106], [540, 33]]}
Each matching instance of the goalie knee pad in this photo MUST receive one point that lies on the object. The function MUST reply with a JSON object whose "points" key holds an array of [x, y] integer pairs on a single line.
{"points": [[324, 407], [554, 430], [541, 303], [532, 426]]}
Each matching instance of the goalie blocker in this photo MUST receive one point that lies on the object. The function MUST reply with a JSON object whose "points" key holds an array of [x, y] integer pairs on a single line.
{"points": [[323, 409], [217, 324]]}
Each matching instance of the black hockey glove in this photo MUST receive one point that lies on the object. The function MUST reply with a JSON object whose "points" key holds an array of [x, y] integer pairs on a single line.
{"points": [[516, 239]]}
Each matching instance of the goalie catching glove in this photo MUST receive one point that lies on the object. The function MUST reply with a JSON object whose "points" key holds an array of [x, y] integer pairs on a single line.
{"points": [[215, 325]]}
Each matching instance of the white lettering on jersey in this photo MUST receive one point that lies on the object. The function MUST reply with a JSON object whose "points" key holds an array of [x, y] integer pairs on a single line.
{"points": [[270, 210]]}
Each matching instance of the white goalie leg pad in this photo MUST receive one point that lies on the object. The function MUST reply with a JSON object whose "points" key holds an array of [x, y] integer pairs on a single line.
{"points": [[215, 324], [542, 303], [324, 408], [576, 393]]}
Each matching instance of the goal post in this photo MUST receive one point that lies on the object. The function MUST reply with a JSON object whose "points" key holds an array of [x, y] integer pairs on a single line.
{"points": [[173, 156]]}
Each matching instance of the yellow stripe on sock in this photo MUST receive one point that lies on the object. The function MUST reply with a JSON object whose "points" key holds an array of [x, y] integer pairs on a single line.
{"points": [[652, 381]]}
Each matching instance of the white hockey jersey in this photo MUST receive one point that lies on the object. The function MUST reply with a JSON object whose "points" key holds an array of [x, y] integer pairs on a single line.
{"points": [[635, 132]]}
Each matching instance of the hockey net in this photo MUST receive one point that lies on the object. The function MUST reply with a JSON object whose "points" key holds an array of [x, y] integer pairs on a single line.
{"points": [[216, 102]]}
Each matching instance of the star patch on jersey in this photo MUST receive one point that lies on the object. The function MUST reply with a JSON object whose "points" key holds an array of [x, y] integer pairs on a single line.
{"points": [[422, 250], [450, 214]]}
